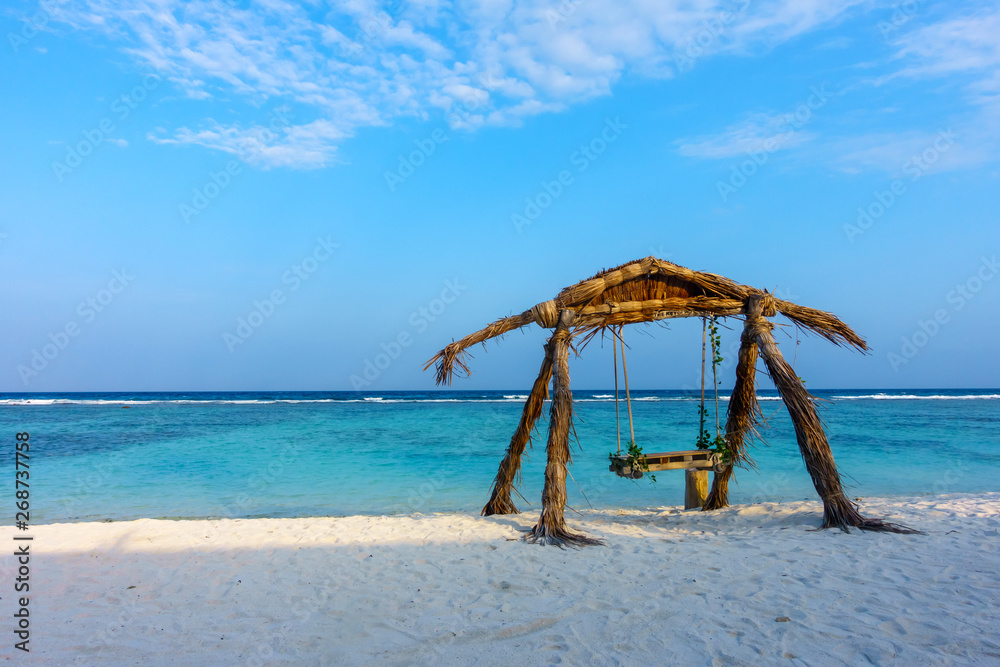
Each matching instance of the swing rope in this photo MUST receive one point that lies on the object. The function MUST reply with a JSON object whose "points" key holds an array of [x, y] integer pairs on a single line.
{"points": [[715, 380], [618, 420], [616, 337], [704, 330], [628, 396]]}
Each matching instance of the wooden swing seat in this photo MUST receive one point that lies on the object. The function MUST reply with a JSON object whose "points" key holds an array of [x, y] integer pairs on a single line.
{"points": [[691, 458], [694, 462]]}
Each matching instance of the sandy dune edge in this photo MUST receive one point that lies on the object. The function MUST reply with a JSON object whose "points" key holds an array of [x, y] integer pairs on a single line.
{"points": [[669, 587]]}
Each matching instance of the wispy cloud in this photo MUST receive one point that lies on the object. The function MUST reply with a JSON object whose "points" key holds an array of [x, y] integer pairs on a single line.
{"points": [[307, 146], [958, 51], [961, 50], [891, 152], [362, 64], [968, 44], [759, 132]]}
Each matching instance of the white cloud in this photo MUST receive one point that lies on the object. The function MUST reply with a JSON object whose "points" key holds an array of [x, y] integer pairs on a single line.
{"points": [[964, 51], [306, 146], [892, 152], [842, 42], [759, 132], [968, 44], [776, 21], [360, 63]]}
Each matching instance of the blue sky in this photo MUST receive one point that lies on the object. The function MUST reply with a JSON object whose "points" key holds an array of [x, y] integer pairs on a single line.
{"points": [[264, 195]]}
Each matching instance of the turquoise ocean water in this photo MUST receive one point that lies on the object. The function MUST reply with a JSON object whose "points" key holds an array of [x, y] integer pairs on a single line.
{"points": [[286, 454]]}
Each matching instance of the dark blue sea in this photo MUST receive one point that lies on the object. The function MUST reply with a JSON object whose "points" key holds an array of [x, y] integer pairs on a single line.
{"points": [[123, 456]]}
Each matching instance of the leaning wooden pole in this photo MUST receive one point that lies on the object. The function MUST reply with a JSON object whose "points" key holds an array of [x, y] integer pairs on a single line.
{"points": [[743, 407], [510, 468], [551, 526], [838, 510]]}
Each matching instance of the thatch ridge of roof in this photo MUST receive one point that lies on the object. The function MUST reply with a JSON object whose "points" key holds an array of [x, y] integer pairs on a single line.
{"points": [[645, 284]]}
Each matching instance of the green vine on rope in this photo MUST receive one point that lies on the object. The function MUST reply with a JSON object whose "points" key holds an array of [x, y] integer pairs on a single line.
{"points": [[634, 459], [705, 439]]}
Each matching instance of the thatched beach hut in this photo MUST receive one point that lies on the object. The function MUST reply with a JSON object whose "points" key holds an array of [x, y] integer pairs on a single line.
{"points": [[650, 290]]}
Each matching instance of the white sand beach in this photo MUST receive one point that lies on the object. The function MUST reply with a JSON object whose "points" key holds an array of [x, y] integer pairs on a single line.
{"points": [[669, 587]]}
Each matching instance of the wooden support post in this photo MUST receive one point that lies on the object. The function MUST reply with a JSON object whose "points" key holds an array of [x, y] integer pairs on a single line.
{"points": [[695, 488], [743, 407], [510, 467], [551, 527], [838, 510]]}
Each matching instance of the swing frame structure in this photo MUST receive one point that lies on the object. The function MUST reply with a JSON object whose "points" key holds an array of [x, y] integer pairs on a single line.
{"points": [[697, 460], [650, 290]]}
